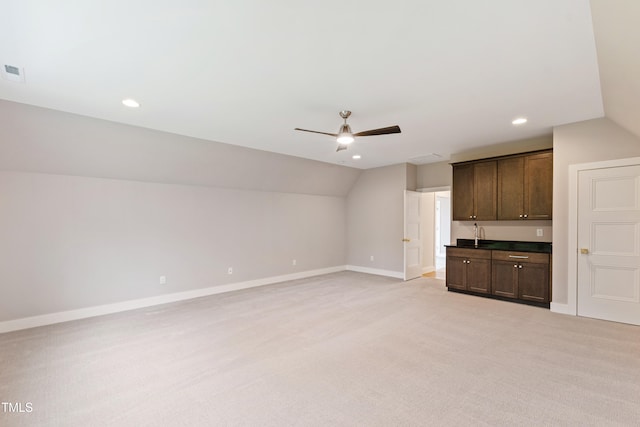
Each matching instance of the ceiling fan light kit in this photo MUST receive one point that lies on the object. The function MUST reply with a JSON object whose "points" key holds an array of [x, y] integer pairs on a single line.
{"points": [[345, 136]]}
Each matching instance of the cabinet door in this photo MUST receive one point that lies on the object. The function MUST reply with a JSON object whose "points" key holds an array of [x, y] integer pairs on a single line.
{"points": [[479, 275], [510, 188], [505, 278], [538, 186], [456, 270], [463, 192], [485, 190], [533, 282]]}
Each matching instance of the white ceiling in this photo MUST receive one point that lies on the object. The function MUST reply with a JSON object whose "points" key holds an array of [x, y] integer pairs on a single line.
{"points": [[452, 74]]}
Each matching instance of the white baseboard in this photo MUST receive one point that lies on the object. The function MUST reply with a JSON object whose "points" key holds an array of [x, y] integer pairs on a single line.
{"points": [[83, 313], [560, 308], [429, 269], [376, 271]]}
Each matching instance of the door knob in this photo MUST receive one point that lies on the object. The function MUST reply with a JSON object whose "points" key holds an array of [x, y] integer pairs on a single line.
{"points": [[584, 251], [406, 240]]}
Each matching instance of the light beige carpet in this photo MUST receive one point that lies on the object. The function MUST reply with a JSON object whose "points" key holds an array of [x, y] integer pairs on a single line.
{"points": [[345, 349]]}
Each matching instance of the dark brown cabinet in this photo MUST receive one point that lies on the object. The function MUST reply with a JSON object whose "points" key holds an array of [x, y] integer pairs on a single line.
{"points": [[504, 279], [525, 187], [475, 191], [521, 275], [469, 269]]}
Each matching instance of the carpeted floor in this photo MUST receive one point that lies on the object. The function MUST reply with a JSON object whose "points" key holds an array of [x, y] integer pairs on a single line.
{"points": [[345, 349]]}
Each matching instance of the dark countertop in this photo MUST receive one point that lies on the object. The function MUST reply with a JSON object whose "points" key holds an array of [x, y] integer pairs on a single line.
{"points": [[504, 245]]}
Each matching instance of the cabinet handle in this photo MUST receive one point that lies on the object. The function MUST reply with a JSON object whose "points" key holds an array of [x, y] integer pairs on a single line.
{"points": [[519, 256], [520, 266], [520, 215], [526, 216], [470, 216], [515, 265]]}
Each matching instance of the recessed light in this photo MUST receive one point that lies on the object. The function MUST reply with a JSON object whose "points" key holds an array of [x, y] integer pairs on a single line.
{"points": [[356, 156], [132, 103], [519, 121]]}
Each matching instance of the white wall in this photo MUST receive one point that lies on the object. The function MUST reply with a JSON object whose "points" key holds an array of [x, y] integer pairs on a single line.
{"points": [[69, 242], [584, 142], [428, 225], [375, 219], [444, 197]]}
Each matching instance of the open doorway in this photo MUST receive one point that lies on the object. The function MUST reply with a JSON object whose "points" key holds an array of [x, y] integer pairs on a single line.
{"points": [[436, 230]]}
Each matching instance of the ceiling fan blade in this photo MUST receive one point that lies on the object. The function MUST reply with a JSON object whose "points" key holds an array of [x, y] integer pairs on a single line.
{"points": [[381, 131], [341, 147], [315, 131]]}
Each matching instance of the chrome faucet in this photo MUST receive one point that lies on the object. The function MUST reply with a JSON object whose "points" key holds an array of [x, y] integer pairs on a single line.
{"points": [[475, 234]]}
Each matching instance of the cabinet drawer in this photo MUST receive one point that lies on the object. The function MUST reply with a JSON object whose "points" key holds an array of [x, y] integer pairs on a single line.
{"points": [[532, 257], [469, 253]]}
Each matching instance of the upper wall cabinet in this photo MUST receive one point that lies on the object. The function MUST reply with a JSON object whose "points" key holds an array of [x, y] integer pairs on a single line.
{"points": [[505, 188], [475, 191], [525, 187]]}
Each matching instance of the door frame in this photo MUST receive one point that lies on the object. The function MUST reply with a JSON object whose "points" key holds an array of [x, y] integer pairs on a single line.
{"points": [[572, 247], [437, 190]]}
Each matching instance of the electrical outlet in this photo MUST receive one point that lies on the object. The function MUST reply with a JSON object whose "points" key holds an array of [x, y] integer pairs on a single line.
{"points": [[230, 270], [539, 232], [163, 280], [294, 262], [371, 258]]}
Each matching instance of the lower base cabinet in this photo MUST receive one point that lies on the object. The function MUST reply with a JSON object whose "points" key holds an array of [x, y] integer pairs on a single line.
{"points": [[469, 270], [504, 279], [522, 275], [507, 274]]}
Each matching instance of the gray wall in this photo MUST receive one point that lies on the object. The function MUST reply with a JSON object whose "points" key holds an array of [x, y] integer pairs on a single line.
{"points": [[47, 141], [584, 142], [375, 219], [83, 223], [434, 175], [72, 242]]}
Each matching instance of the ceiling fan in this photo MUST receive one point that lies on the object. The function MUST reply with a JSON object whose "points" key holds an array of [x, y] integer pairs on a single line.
{"points": [[344, 137]]}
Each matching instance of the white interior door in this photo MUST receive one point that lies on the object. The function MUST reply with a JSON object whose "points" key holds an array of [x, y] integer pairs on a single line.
{"points": [[412, 242], [609, 244]]}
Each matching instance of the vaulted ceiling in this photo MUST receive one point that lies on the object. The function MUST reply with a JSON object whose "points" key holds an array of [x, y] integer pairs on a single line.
{"points": [[452, 74]]}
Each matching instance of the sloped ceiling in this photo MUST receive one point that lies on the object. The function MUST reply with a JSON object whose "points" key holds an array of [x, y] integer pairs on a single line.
{"points": [[616, 25], [452, 74]]}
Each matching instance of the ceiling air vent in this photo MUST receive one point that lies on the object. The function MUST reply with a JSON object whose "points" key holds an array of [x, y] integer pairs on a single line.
{"points": [[12, 73]]}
